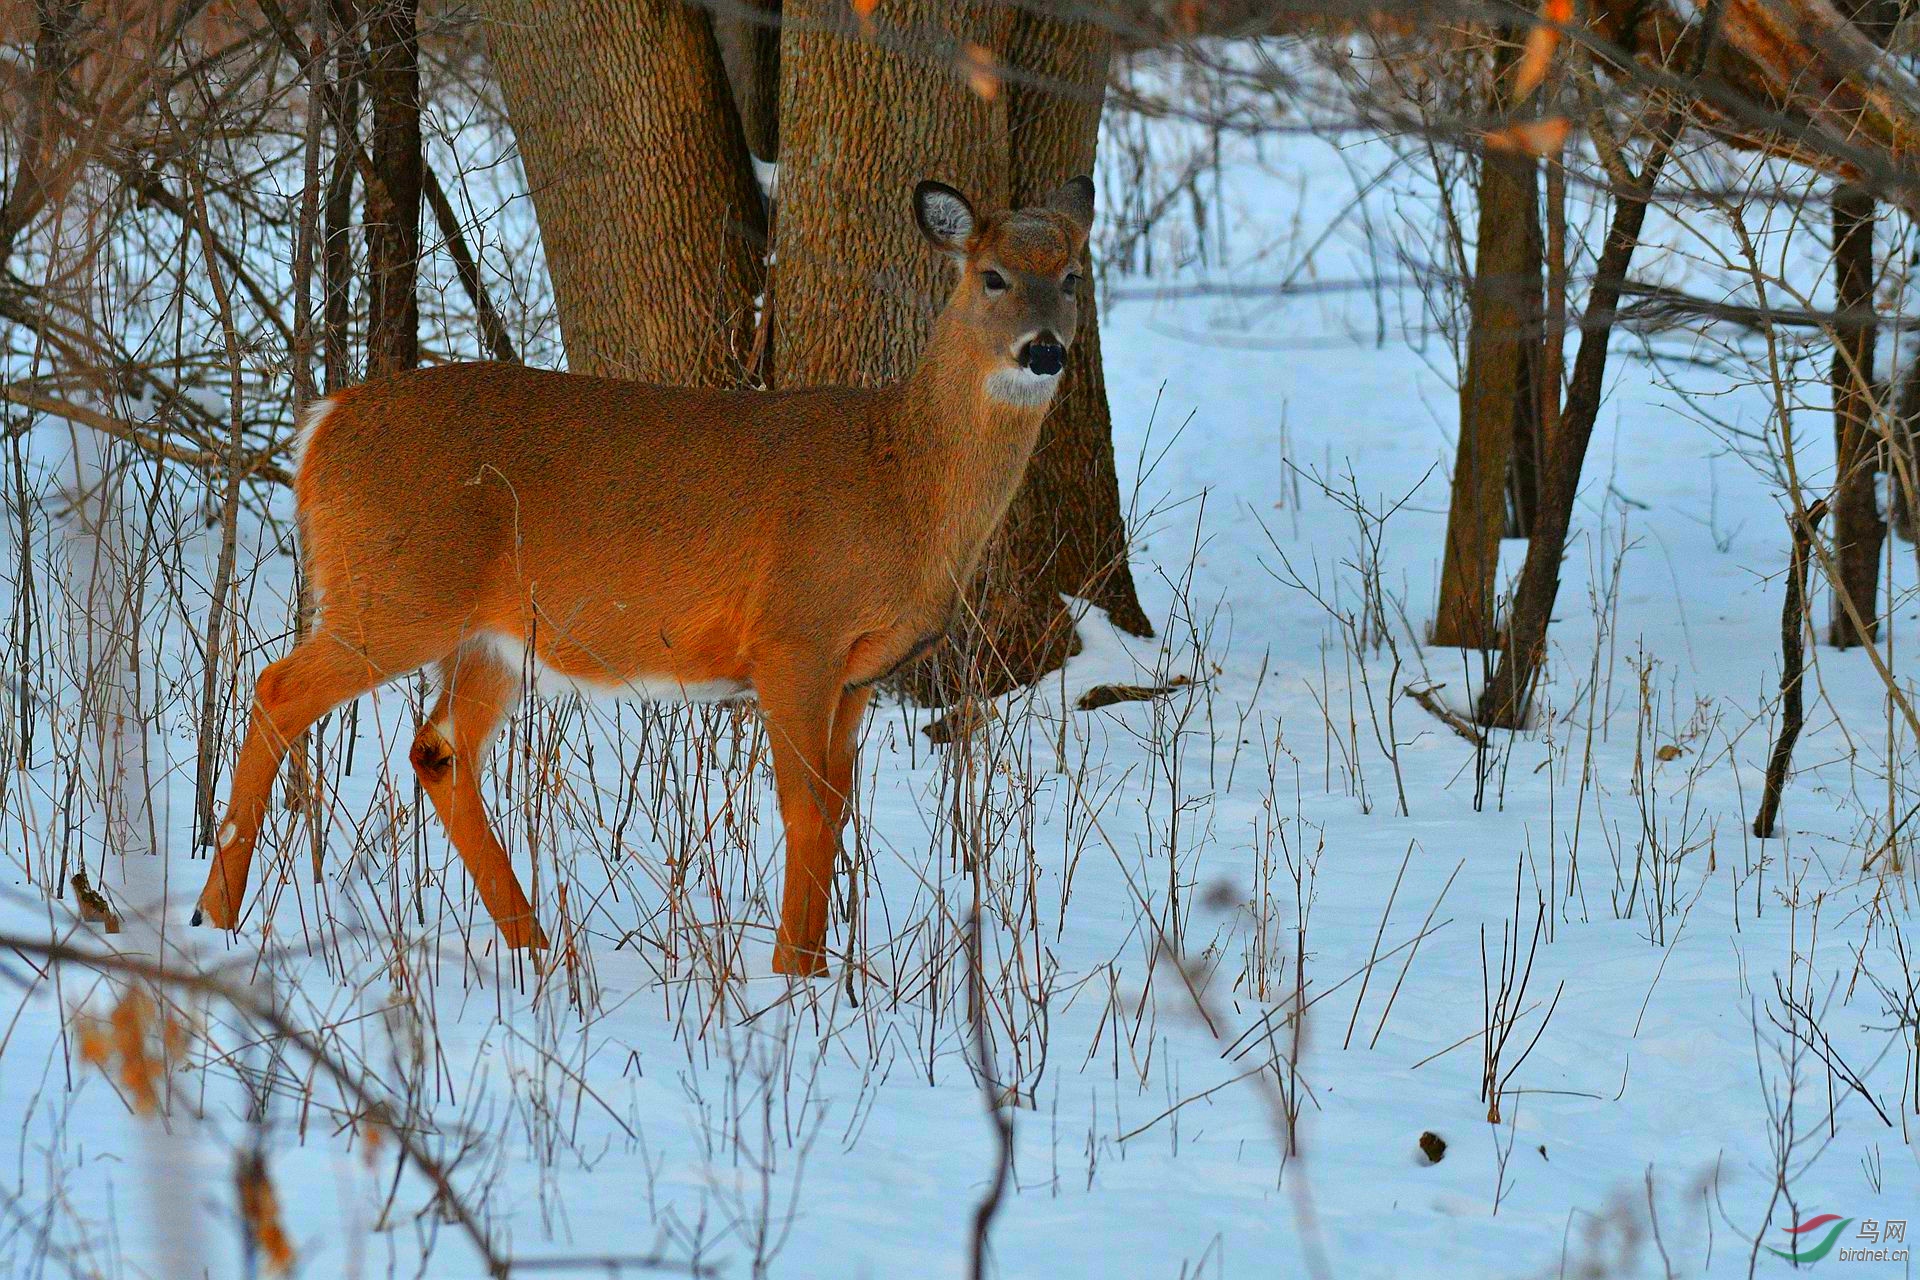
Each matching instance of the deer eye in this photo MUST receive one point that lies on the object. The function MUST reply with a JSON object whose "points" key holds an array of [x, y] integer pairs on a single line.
{"points": [[1070, 282], [994, 281]]}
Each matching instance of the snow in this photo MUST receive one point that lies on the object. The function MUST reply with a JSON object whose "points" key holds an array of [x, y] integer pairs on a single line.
{"points": [[635, 1102]]}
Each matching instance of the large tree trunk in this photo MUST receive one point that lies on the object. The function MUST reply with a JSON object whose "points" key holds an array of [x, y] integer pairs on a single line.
{"points": [[854, 287], [652, 221], [1496, 391], [393, 200], [749, 37], [1858, 530], [855, 290], [1066, 531]]}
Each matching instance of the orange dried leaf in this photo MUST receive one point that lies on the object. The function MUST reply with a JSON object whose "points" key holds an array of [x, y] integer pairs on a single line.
{"points": [[863, 9], [1535, 137], [1537, 57], [260, 1210], [1534, 60], [370, 1142], [96, 1048], [979, 68]]}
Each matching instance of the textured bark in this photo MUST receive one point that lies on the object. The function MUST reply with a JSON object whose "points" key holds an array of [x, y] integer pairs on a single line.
{"points": [[863, 115], [1505, 700], [1066, 530], [1858, 530], [749, 37], [652, 222], [1530, 392], [855, 288], [392, 80], [336, 269], [1495, 393]]}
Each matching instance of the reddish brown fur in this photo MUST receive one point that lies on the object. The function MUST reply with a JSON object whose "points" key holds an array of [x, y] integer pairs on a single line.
{"points": [[801, 542]]}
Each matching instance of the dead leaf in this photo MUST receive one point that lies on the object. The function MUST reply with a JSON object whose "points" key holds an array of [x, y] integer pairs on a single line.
{"points": [[979, 68], [260, 1210], [1535, 137], [1537, 57], [94, 907], [1669, 751]]}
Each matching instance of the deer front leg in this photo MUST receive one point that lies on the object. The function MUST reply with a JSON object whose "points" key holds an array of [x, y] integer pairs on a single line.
{"points": [[799, 701]]}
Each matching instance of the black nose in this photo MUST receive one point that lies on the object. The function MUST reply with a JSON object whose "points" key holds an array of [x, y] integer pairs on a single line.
{"points": [[1043, 357]]}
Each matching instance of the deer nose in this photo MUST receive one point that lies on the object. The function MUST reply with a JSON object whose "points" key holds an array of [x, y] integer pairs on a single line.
{"points": [[1044, 356]]}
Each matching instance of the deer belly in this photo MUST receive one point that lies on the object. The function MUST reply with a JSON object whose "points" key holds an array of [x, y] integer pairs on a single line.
{"points": [[646, 686]]}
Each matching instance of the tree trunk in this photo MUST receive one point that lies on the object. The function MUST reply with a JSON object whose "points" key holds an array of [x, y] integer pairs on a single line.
{"points": [[336, 268], [1066, 532], [1505, 700], [1858, 530], [652, 221], [855, 289], [393, 202], [1496, 395], [749, 39], [1529, 389], [861, 120]]}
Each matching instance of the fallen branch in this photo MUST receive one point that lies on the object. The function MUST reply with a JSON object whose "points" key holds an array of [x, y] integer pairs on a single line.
{"points": [[1106, 695], [1428, 696]]}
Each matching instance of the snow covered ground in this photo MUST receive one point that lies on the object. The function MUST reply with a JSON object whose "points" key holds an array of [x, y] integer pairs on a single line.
{"points": [[1708, 1038]]}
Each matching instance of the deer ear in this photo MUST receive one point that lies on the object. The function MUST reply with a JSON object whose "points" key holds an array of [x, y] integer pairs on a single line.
{"points": [[1075, 199], [945, 217]]}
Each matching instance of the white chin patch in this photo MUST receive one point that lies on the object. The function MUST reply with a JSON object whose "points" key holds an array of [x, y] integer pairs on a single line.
{"points": [[1021, 386]]}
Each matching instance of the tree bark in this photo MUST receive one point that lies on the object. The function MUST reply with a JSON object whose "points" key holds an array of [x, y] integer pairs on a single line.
{"points": [[749, 39], [1065, 533], [1505, 700], [1066, 530], [653, 224], [1529, 389], [855, 288], [1496, 393], [336, 255], [865, 114], [1858, 530], [392, 78]]}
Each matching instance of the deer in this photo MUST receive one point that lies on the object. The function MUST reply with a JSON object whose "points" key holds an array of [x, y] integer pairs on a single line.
{"points": [[797, 547]]}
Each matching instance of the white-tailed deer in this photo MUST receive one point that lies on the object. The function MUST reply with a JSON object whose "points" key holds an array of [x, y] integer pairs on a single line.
{"points": [[665, 541]]}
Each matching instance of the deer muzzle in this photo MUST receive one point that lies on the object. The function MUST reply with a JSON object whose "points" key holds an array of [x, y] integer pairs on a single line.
{"points": [[1043, 356]]}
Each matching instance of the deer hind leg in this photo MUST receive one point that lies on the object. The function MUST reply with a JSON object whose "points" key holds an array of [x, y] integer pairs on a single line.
{"points": [[321, 673], [842, 748], [800, 705], [477, 692]]}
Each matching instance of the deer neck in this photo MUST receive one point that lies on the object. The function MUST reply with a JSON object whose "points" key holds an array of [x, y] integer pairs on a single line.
{"points": [[971, 445]]}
